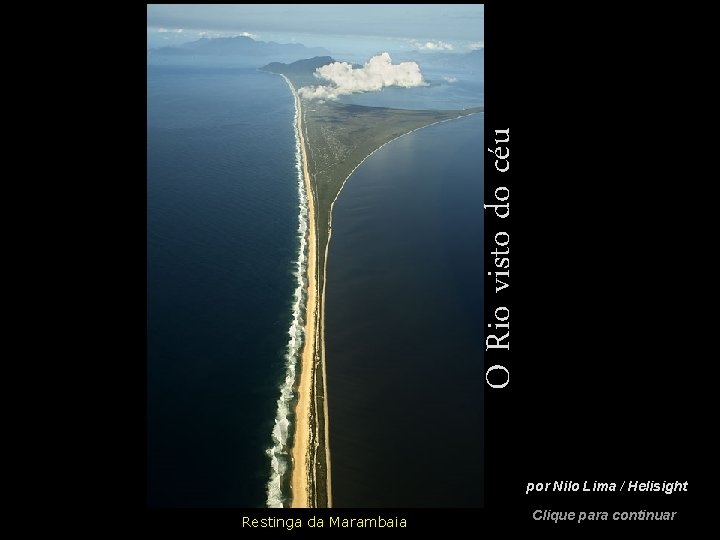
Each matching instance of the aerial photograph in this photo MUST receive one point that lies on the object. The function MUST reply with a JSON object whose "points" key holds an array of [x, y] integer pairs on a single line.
{"points": [[315, 327]]}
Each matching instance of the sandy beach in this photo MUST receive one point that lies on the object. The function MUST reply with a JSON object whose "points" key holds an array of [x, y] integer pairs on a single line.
{"points": [[311, 428], [302, 470]]}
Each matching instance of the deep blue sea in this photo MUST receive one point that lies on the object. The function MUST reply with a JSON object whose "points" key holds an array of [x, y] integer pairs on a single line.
{"points": [[404, 360], [222, 209]]}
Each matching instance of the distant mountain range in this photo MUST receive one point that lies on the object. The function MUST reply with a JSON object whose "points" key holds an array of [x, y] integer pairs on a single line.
{"points": [[244, 50], [300, 72], [239, 46]]}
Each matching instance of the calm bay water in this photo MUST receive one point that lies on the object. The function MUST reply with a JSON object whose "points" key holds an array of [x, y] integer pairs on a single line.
{"points": [[404, 324]]}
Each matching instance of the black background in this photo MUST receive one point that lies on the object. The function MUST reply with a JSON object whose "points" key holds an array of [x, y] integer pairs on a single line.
{"points": [[602, 356], [599, 383]]}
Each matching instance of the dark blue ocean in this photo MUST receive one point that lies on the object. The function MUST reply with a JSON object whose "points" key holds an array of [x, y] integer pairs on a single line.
{"points": [[222, 209], [404, 299]]}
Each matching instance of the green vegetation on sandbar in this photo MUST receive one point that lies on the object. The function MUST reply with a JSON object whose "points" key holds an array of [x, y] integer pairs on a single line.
{"points": [[338, 137]]}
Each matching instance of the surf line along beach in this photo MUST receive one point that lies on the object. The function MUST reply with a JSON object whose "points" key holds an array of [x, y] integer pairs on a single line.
{"points": [[308, 442], [342, 138]]}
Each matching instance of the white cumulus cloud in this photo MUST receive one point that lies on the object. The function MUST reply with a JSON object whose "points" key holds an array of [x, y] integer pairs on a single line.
{"points": [[433, 46], [166, 30], [450, 79], [476, 45], [376, 74]]}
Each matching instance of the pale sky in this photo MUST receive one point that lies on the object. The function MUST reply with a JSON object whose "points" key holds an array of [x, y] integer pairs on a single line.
{"points": [[352, 28]]}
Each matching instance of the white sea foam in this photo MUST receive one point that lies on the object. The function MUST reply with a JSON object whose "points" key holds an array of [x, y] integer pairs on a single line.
{"points": [[279, 452]]}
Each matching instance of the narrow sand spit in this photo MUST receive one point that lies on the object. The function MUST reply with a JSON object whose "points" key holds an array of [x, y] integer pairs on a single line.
{"points": [[302, 470]]}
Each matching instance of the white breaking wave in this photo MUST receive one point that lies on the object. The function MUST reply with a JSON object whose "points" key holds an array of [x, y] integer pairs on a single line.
{"points": [[279, 455]]}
